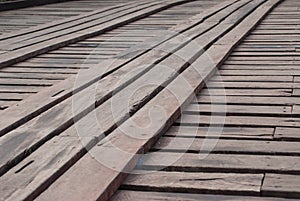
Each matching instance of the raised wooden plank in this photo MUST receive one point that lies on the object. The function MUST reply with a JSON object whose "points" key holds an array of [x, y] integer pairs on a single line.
{"points": [[178, 144], [187, 119], [126, 151], [221, 163], [126, 195], [217, 183], [279, 185], [282, 133], [238, 109], [221, 132]]}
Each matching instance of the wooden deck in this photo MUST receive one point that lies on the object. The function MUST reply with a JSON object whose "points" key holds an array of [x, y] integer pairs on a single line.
{"points": [[151, 100]]}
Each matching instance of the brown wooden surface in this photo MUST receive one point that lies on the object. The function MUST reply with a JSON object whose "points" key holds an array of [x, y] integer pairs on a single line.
{"points": [[107, 137]]}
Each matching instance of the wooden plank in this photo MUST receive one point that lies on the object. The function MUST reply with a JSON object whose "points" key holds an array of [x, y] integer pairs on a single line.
{"points": [[297, 79], [246, 92], [221, 132], [13, 96], [217, 183], [249, 78], [27, 82], [221, 163], [282, 133], [33, 76], [281, 185], [261, 67], [260, 72], [107, 148], [261, 58], [251, 100], [253, 85], [126, 195], [65, 71], [177, 144], [238, 109], [268, 63], [187, 119]]}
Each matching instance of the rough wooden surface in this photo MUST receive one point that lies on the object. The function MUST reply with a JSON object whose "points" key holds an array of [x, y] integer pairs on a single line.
{"points": [[237, 139]]}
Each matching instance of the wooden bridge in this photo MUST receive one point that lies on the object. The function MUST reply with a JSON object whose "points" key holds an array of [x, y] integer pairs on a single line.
{"points": [[150, 100]]}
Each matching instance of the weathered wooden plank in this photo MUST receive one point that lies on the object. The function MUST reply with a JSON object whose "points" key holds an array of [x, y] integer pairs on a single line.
{"points": [[253, 100], [66, 71], [297, 79], [178, 144], [267, 63], [246, 92], [260, 72], [33, 76], [238, 109], [249, 78], [282, 133], [187, 119], [221, 132], [13, 96], [222, 163], [279, 185], [261, 67], [265, 54], [27, 82], [262, 58], [253, 85], [126, 195], [218, 183]]}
